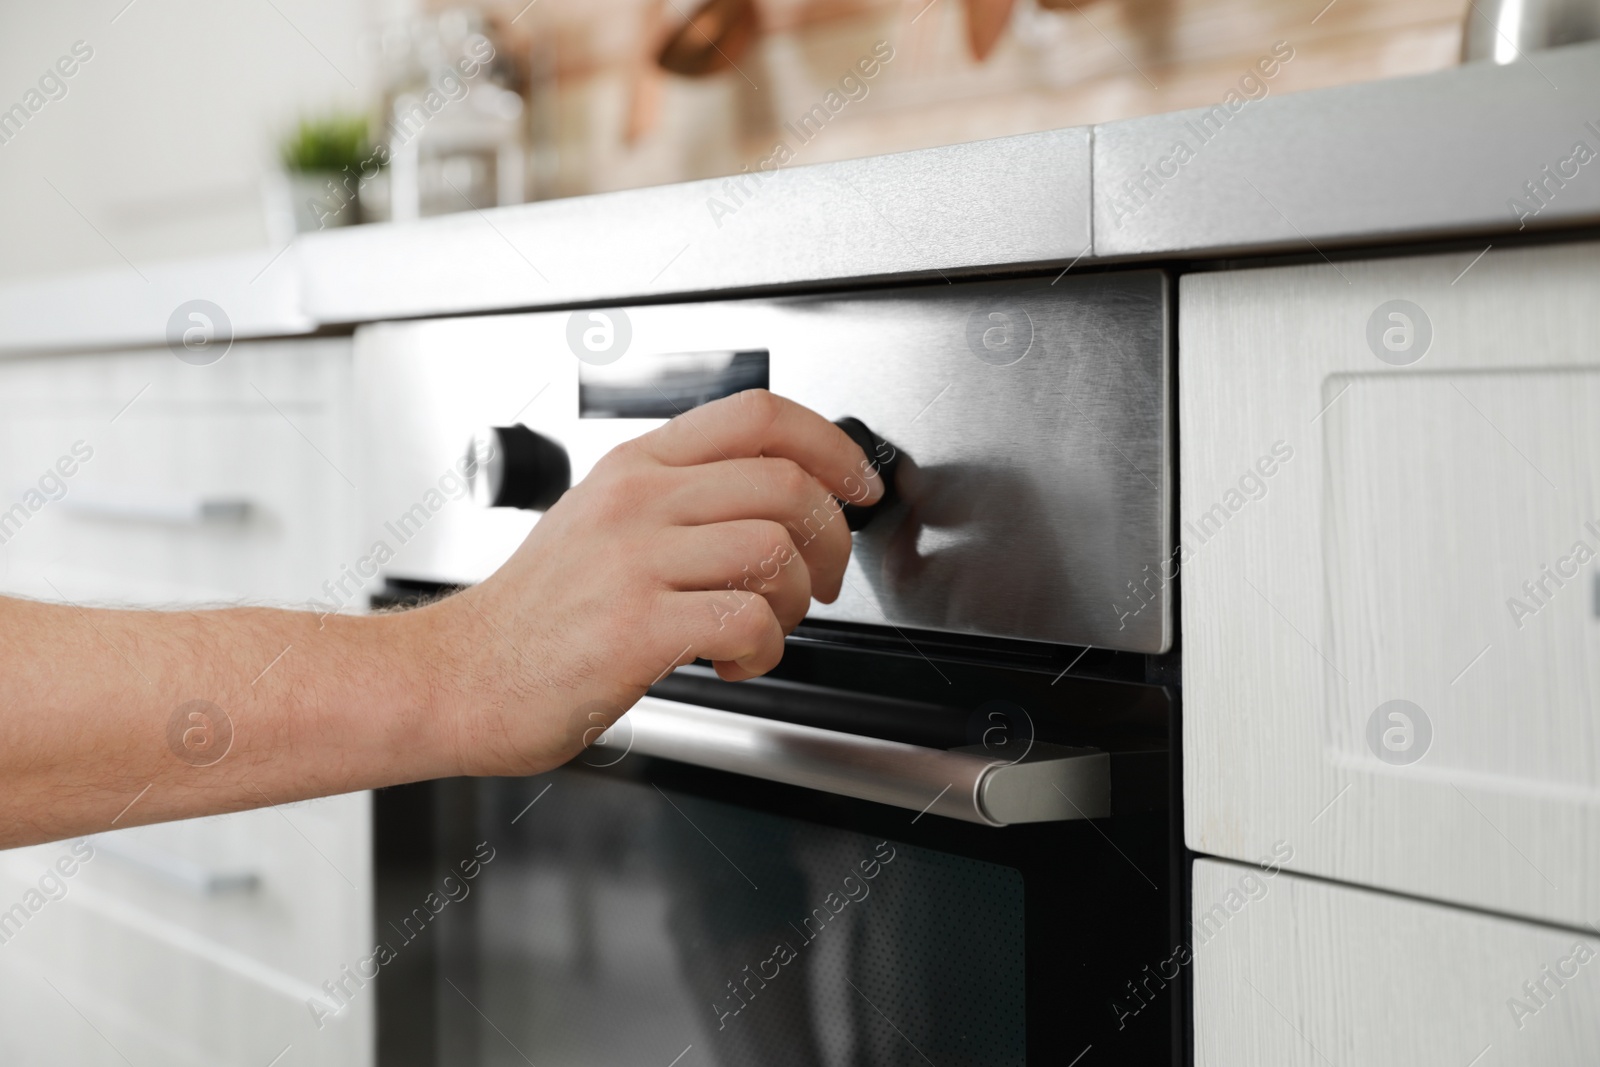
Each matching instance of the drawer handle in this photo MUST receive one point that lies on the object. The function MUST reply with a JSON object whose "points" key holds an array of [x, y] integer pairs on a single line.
{"points": [[176, 870], [174, 510], [1052, 783]]}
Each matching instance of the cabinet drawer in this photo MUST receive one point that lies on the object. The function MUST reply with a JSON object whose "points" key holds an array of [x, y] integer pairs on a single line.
{"points": [[170, 963], [1295, 971], [99, 976], [134, 478]]}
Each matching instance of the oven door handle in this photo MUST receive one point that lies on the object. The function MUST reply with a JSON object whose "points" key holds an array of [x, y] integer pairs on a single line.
{"points": [[1051, 783]]}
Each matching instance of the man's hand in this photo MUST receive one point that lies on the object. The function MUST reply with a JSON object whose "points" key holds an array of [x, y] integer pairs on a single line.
{"points": [[706, 538]]}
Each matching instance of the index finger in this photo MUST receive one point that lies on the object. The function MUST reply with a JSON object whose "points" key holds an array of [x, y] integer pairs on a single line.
{"points": [[759, 423]]}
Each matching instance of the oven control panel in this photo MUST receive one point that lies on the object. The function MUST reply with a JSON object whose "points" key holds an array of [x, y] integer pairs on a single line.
{"points": [[1024, 426]]}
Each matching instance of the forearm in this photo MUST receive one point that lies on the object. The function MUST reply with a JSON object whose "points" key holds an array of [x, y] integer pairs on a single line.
{"points": [[116, 718], [671, 550]]}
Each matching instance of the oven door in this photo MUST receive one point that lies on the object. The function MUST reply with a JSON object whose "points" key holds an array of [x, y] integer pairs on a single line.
{"points": [[629, 908]]}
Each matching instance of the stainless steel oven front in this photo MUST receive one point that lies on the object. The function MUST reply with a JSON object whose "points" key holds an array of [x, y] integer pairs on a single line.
{"points": [[943, 831]]}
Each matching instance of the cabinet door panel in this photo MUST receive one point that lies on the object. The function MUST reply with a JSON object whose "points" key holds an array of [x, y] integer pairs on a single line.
{"points": [[1446, 492], [1297, 972], [1390, 510]]}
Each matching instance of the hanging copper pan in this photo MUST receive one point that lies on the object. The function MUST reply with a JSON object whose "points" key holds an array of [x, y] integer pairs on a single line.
{"points": [[986, 21], [712, 39]]}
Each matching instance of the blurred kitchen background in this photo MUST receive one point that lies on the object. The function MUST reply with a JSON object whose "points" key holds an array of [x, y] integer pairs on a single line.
{"points": [[196, 128]]}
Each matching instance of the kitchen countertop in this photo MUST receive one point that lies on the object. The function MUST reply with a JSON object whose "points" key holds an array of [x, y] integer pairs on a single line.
{"points": [[1440, 155]]}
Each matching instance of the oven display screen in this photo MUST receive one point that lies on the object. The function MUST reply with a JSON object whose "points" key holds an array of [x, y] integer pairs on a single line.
{"points": [[660, 385]]}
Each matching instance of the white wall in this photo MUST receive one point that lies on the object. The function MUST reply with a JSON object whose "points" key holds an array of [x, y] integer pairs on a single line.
{"points": [[164, 135]]}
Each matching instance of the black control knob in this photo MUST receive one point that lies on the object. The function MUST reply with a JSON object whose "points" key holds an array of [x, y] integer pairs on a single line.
{"points": [[884, 456], [513, 467]]}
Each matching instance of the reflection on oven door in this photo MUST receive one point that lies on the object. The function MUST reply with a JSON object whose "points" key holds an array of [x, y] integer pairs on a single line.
{"points": [[622, 930]]}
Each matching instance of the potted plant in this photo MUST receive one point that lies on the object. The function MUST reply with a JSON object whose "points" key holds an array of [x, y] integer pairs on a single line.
{"points": [[326, 161]]}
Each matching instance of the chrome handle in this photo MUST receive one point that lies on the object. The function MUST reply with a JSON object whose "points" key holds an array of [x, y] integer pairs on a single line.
{"points": [[156, 507], [176, 870], [1051, 783]]}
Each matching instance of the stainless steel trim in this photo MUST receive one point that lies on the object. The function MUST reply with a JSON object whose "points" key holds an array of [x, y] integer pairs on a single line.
{"points": [[1051, 784], [176, 870]]}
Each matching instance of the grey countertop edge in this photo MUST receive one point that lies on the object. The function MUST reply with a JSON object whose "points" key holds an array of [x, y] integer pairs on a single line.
{"points": [[1379, 163], [1408, 159], [127, 306]]}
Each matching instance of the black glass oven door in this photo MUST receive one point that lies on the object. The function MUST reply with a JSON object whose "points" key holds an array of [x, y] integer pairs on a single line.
{"points": [[649, 912]]}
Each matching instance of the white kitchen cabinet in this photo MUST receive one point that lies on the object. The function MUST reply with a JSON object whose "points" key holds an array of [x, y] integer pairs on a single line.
{"points": [[135, 964], [1372, 493], [189, 485], [1298, 972], [265, 427]]}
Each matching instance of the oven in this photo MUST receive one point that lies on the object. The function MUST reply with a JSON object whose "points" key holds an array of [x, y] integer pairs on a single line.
{"points": [[944, 830]]}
